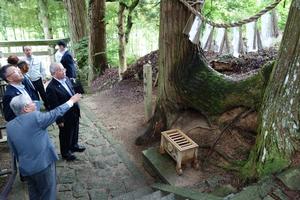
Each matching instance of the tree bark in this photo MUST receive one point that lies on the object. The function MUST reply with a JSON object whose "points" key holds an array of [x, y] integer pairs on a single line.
{"points": [[97, 38], [44, 18], [122, 39], [77, 15], [174, 49], [279, 118], [129, 18]]}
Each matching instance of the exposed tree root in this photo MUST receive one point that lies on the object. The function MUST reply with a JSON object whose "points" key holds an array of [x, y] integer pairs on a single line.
{"points": [[236, 119]]}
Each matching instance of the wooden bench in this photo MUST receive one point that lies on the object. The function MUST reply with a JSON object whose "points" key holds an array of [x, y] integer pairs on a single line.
{"points": [[180, 147]]}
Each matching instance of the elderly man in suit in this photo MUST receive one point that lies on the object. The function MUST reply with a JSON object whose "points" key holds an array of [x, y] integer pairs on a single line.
{"points": [[58, 92], [13, 76], [29, 140]]}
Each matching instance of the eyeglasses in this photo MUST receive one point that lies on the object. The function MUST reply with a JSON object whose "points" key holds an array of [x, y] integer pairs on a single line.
{"points": [[61, 69]]}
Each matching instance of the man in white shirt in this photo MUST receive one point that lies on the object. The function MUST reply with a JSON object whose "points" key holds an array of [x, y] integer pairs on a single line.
{"points": [[36, 73]]}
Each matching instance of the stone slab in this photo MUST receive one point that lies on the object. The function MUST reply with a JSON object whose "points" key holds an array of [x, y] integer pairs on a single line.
{"points": [[164, 167], [291, 178], [185, 193]]}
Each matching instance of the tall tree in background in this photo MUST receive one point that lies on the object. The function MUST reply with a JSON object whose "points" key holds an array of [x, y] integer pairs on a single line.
{"points": [[124, 32], [97, 38], [122, 39], [77, 15], [279, 132], [44, 18]]}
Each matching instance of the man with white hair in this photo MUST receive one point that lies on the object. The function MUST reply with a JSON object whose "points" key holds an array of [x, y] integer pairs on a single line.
{"points": [[58, 92], [29, 140]]}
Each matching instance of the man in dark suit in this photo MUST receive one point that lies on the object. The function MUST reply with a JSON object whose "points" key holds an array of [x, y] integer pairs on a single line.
{"points": [[58, 92], [69, 64], [67, 60], [13, 76]]}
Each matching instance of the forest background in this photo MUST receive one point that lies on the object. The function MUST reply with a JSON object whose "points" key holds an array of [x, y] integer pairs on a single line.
{"points": [[21, 20]]}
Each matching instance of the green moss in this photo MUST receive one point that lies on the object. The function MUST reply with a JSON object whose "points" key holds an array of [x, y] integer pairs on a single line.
{"points": [[212, 93], [274, 162]]}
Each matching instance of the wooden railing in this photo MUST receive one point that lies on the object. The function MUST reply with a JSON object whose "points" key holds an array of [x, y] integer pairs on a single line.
{"points": [[47, 42]]}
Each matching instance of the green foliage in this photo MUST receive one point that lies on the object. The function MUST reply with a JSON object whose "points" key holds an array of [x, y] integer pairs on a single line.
{"points": [[81, 49], [231, 10], [23, 15]]}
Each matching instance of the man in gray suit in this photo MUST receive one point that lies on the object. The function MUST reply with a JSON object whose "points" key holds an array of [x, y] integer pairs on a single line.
{"points": [[28, 137]]}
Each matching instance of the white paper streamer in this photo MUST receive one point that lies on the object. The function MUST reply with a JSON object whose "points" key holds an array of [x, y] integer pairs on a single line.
{"points": [[194, 33]]}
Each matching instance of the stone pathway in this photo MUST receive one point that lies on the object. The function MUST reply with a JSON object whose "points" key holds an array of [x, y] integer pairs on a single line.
{"points": [[103, 171]]}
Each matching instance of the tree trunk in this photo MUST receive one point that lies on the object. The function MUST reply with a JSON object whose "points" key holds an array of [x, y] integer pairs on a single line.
{"points": [[186, 80], [122, 39], [129, 18], [77, 19], [97, 38], [279, 118], [174, 49], [44, 18]]}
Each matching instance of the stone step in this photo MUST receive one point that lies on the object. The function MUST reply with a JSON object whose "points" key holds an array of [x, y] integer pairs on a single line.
{"points": [[140, 192], [169, 197], [153, 196]]}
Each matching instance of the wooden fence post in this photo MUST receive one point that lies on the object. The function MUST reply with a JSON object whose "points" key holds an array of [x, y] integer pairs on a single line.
{"points": [[147, 72]]}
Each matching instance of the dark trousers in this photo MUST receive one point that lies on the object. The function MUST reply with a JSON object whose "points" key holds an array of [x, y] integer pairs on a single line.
{"points": [[39, 86], [68, 135]]}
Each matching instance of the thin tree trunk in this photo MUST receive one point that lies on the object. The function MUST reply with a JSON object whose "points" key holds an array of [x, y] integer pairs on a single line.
{"points": [[129, 23], [97, 38], [279, 119], [77, 19], [122, 39], [44, 18]]}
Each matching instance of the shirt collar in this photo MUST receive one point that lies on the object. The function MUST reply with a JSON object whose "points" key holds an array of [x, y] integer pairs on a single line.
{"points": [[21, 86], [62, 81]]}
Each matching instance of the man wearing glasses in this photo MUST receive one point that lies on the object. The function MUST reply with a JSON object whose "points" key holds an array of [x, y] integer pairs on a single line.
{"points": [[13, 76]]}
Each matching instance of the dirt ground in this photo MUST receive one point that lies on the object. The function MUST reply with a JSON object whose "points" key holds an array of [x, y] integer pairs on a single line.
{"points": [[121, 111]]}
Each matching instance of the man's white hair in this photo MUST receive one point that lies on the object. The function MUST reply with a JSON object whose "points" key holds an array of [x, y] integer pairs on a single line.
{"points": [[18, 103], [53, 67]]}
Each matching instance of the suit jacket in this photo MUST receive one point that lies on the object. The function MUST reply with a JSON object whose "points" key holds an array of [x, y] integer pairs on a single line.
{"points": [[57, 95], [68, 62], [29, 139], [33, 93], [10, 93]]}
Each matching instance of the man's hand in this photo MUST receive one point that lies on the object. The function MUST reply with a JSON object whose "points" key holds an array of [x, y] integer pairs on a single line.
{"points": [[75, 98]]}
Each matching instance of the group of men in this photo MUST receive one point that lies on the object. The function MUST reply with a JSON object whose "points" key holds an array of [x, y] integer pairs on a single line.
{"points": [[27, 126]]}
